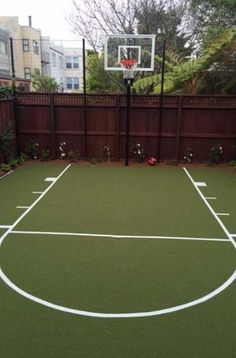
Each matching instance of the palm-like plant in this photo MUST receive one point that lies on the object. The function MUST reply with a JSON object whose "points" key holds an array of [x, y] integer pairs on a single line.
{"points": [[186, 77]]}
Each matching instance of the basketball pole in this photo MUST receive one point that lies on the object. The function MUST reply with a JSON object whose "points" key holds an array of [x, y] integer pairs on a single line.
{"points": [[128, 83], [161, 100], [85, 101]]}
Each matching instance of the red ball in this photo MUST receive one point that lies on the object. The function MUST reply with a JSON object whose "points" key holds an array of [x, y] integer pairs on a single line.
{"points": [[152, 161]]}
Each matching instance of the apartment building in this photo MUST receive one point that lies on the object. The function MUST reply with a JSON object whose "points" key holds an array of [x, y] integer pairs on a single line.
{"points": [[53, 61], [34, 52], [5, 59], [73, 69], [26, 46]]}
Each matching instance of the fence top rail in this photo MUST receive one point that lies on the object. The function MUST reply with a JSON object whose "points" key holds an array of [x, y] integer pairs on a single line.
{"points": [[28, 98]]}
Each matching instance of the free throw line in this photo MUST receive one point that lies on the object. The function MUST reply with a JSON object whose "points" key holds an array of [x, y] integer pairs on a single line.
{"points": [[118, 236]]}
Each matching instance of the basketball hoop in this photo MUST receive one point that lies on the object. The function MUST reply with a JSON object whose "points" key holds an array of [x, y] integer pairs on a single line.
{"points": [[128, 68]]}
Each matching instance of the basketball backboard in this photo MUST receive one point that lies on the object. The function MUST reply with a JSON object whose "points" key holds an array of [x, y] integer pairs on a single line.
{"points": [[140, 48]]}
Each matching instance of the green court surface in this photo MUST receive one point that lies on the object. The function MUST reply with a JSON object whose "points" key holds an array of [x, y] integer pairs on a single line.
{"points": [[109, 261]]}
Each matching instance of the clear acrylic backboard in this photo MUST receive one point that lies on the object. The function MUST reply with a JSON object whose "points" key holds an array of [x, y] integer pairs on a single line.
{"points": [[121, 47]]}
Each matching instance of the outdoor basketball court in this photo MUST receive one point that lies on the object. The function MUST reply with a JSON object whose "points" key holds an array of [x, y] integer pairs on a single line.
{"points": [[102, 260]]}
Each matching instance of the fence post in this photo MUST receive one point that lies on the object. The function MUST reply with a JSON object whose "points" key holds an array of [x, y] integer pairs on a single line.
{"points": [[53, 125], [117, 128], [178, 127]]}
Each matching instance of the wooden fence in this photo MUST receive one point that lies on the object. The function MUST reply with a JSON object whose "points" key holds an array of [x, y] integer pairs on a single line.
{"points": [[6, 116], [88, 124]]}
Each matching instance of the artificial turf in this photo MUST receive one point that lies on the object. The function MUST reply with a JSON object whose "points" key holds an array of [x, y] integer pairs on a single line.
{"points": [[126, 201], [117, 275]]}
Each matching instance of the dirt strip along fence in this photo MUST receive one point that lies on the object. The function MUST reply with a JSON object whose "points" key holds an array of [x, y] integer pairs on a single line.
{"points": [[88, 124]]}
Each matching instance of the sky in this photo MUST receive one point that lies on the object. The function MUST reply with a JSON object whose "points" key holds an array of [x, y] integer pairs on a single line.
{"points": [[49, 16]]}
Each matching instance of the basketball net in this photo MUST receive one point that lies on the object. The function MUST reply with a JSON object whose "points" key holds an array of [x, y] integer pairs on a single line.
{"points": [[128, 68]]}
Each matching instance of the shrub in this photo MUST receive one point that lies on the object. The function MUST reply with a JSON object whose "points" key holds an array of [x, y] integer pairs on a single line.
{"points": [[139, 152], [45, 154], [188, 155], [73, 156], [216, 154], [7, 142], [5, 168], [33, 149], [62, 149]]}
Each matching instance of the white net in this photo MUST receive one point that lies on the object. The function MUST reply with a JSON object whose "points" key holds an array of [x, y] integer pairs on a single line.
{"points": [[128, 68]]}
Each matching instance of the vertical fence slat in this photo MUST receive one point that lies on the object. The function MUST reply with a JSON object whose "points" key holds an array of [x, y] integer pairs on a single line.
{"points": [[53, 126], [178, 127], [117, 129]]}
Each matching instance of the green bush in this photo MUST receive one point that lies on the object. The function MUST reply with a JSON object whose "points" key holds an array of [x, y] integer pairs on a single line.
{"points": [[73, 156], [139, 152], [216, 154], [45, 154], [33, 149], [7, 145], [5, 168]]}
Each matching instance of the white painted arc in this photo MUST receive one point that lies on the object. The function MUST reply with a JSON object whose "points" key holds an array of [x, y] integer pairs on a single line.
{"points": [[119, 315], [205, 298]]}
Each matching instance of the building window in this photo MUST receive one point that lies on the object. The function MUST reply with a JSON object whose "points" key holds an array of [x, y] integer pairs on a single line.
{"points": [[75, 62], [72, 83], [76, 82], [27, 73], [68, 62], [35, 47], [69, 82], [3, 47], [25, 43], [72, 62]]}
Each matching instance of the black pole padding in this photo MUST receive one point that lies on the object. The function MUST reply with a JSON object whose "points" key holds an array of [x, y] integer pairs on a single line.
{"points": [[127, 121], [161, 101]]}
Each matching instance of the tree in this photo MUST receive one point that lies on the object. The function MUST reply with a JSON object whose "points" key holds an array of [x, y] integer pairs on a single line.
{"points": [[93, 18], [188, 77], [165, 20], [99, 80], [44, 83]]}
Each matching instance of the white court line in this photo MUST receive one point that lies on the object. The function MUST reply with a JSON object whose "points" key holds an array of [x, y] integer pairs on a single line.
{"points": [[119, 315], [233, 235], [200, 183], [118, 236], [4, 176], [211, 210], [50, 179], [37, 192], [22, 207], [32, 206], [222, 214], [5, 226], [205, 298], [210, 198]]}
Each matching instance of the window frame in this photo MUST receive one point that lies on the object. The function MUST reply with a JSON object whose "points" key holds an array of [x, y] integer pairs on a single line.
{"points": [[26, 45]]}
